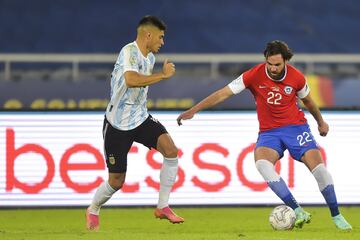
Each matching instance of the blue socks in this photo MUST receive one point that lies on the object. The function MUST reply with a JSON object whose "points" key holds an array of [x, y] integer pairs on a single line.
{"points": [[326, 186], [283, 192], [330, 198]]}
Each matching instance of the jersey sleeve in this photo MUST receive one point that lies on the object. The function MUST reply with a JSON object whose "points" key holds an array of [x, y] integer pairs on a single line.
{"points": [[304, 90], [243, 81], [131, 59], [237, 85]]}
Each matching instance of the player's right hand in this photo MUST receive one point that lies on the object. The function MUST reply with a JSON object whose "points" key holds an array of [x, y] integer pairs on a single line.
{"points": [[184, 116], [168, 69]]}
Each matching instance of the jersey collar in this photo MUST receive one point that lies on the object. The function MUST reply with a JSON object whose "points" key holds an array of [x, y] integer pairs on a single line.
{"points": [[147, 57], [267, 74]]}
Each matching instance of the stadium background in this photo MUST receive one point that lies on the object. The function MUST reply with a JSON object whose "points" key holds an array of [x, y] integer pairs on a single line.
{"points": [[46, 47], [200, 27]]}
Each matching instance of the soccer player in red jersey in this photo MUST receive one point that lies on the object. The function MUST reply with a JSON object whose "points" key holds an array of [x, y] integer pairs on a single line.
{"points": [[276, 86]]}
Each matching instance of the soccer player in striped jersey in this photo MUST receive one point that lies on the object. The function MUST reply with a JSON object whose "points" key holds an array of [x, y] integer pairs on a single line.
{"points": [[127, 119], [276, 86]]}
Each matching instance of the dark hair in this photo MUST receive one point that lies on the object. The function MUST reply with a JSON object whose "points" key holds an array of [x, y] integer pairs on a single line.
{"points": [[153, 21], [278, 47]]}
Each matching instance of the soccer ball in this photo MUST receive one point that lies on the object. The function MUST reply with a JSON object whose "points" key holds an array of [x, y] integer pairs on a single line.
{"points": [[282, 218]]}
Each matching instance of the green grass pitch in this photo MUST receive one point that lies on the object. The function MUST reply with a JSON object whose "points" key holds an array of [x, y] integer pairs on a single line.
{"points": [[238, 223]]}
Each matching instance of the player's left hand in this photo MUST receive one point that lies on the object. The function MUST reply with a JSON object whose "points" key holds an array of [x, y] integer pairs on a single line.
{"points": [[168, 69], [323, 129]]}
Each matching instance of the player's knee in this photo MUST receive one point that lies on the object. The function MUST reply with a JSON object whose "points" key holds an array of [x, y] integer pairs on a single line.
{"points": [[171, 152], [116, 182]]}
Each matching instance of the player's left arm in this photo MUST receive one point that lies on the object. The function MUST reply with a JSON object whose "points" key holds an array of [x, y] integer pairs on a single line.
{"points": [[309, 103]]}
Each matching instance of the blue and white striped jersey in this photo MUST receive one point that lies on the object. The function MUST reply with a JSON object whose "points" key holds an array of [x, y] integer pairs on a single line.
{"points": [[127, 107]]}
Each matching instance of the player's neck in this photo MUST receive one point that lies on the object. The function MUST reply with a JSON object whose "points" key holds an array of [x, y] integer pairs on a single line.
{"points": [[142, 46], [278, 78]]}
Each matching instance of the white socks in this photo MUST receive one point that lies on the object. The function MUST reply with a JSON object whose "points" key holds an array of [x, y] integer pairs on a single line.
{"points": [[322, 176], [168, 175], [267, 170], [102, 195]]}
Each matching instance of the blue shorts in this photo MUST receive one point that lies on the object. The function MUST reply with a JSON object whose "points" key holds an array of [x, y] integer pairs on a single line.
{"points": [[297, 139]]}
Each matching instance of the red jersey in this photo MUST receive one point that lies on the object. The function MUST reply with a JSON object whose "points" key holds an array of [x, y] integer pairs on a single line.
{"points": [[276, 100]]}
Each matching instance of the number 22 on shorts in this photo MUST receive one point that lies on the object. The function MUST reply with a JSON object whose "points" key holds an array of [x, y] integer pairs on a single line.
{"points": [[304, 138]]}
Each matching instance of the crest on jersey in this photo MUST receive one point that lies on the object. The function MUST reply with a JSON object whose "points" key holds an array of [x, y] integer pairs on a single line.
{"points": [[111, 159], [288, 89]]}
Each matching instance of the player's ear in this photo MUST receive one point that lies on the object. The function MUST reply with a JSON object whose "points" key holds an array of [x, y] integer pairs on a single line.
{"points": [[148, 34]]}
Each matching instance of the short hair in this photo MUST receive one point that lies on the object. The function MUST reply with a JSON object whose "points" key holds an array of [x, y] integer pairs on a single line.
{"points": [[152, 21], [278, 47]]}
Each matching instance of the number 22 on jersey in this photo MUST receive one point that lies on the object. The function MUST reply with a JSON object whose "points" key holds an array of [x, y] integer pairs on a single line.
{"points": [[274, 98]]}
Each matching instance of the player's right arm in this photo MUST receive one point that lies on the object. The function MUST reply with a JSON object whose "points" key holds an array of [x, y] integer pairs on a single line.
{"points": [[210, 101], [235, 87], [135, 79]]}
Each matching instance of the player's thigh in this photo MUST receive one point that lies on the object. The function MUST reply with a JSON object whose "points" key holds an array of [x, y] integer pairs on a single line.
{"points": [[166, 146], [267, 154], [153, 134], [269, 147], [117, 144], [312, 158]]}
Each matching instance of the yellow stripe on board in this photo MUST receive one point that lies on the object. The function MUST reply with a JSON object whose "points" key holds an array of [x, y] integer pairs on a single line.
{"points": [[313, 83]]}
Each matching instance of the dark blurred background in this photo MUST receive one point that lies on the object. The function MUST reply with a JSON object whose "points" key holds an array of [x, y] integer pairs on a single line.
{"points": [[59, 54]]}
